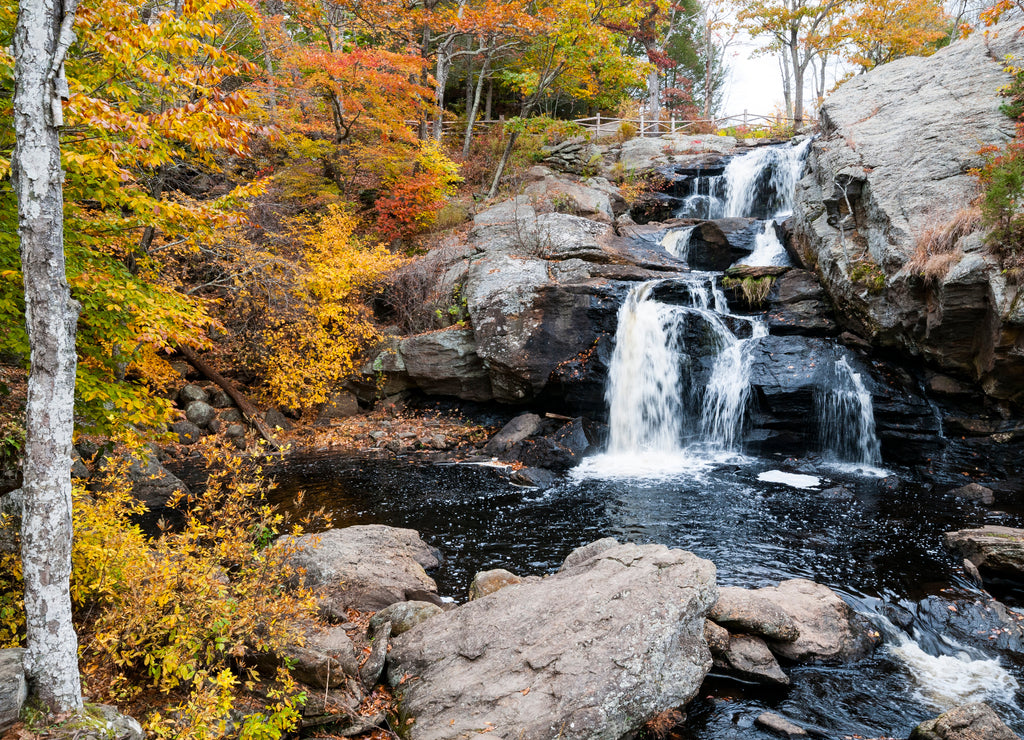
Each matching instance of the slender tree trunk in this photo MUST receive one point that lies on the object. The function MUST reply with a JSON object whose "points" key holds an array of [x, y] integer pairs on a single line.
{"points": [[787, 84], [467, 140], [52, 657], [798, 79], [654, 96], [442, 70], [489, 111], [268, 63], [501, 164]]}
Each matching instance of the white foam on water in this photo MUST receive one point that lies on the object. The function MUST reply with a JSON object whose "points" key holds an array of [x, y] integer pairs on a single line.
{"points": [[945, 681], [793, 480]]}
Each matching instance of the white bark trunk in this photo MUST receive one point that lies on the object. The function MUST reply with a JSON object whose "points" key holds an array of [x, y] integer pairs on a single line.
{"points": [[654, 96], [52, 658], [444, 67]]}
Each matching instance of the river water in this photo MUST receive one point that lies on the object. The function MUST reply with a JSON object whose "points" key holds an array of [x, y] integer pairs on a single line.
{"points": [[877, 542]]}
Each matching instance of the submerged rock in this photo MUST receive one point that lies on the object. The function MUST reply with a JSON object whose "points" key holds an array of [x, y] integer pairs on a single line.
{"points": [[365, 567], [742, 610], [749, 658], [590, 652], [779, 725]]}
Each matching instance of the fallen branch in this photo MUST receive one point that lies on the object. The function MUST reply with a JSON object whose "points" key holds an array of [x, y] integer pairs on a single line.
{"points": [[247, 407]]}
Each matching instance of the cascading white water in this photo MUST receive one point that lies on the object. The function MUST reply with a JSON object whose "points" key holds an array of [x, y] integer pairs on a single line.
{"points": [[727, 392], [644, 391], [764, 174], [945, 681], [846, 419], [677, 242], [768, 250]]}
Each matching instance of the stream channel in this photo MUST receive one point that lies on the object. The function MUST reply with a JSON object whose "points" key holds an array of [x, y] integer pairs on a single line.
{"points": [[674, 471]]}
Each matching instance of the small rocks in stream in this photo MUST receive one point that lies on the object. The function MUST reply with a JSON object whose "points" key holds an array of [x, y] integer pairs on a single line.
{"points": [[200, 413], [974, 492], [533, 477], [191, 393], [827, 628], [717, 637], [741, 610], [974, 721], [779, 725], [488, 581], [749, 658]]}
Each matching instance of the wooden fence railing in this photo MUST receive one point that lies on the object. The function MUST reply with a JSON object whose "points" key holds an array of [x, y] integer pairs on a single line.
{"points": [[643, 126]]}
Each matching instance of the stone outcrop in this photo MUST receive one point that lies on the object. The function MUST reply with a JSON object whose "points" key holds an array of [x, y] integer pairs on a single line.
{"points": [[966, 722], [891, 167], [801, 621], [590, 652], [997, 552], [365, 567], [13, 687]]}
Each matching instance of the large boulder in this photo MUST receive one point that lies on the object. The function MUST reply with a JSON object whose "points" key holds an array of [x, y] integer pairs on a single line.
{"points": [[892, 167], [445, 363], [366, 567], [590, 652], [966, 722], [742, 610], [652, 153]]}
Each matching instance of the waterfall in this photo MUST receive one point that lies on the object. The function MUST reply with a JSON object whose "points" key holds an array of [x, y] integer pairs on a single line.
{"points": [[758, 184], [648, 412], [677, 242], [846, 419], [644, 391], [768, 250]]}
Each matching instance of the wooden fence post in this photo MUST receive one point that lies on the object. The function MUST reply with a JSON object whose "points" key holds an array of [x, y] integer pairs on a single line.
{"points": [[641, 125]]}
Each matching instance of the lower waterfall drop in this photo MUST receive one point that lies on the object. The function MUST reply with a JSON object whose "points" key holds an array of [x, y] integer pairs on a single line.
{"points": [[644, 389], [846, 419]]}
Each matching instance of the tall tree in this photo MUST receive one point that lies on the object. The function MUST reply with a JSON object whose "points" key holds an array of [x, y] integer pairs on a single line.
{"points": [[883, 30], [42, 36], [794, 29]]}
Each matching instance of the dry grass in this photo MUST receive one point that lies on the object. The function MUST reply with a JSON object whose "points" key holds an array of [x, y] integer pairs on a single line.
{"points": [[662, 724], [937, 250]]}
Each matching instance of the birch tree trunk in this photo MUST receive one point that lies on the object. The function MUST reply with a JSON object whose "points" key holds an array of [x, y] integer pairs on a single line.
{"points": [[467, 140], [42, 36]]}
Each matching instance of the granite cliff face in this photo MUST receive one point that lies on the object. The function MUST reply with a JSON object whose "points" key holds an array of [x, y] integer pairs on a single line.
{"points": [[891, 169]]}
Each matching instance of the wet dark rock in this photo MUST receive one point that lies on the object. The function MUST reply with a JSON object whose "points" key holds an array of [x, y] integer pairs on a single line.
{"points": [[365, 567], [151, 483], [79, 470], [974, 492], [627, 660], [276, 420], [837, 493], [521, 427], [742, 610], [798, 305], [192, 392], [446, 363], [966, 722], [341, 405], [534, 477], [13, 687], [188, 433], [711, 249], [779, 725], [199, 413], [545, 452], [749, 658]]}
